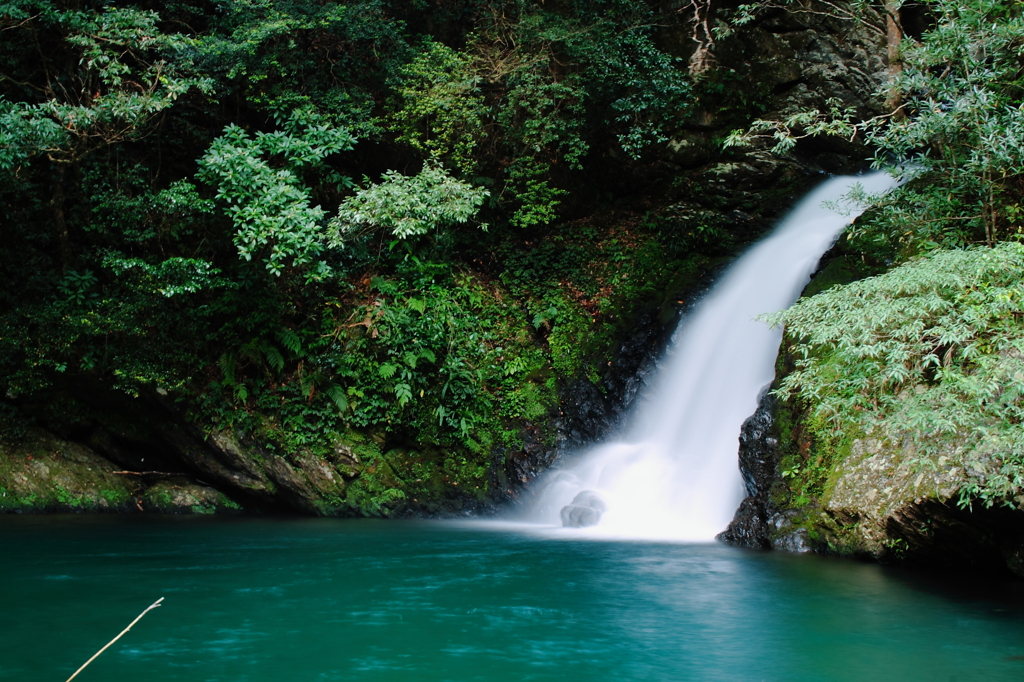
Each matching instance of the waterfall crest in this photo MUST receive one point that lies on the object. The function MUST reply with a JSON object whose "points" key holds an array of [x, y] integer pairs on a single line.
{"points": [[673, 474]]}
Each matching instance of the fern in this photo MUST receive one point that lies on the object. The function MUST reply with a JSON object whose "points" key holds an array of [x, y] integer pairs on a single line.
{"points": [[417, 304], [403, 392], [337, 395], [228, 363], [290, 340], [273, 356]]}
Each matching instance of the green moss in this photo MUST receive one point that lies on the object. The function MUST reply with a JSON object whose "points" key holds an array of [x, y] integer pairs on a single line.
{"points": [[838, 271], [181, 496], [117, 497], [10, 501], [65, 498], [44, 473]]}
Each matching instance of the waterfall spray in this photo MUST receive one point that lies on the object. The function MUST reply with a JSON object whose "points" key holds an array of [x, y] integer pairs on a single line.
{"points": [[673, 474]]}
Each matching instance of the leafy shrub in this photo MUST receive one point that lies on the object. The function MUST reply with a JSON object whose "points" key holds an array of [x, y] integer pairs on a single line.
{"points": [[441, 108], [409, 206], [929, 354], [267, 201]]}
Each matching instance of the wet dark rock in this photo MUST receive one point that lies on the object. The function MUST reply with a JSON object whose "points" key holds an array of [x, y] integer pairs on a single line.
{"points": [[749, 526], [587, 413], [584, 510], [514, 468], [634, 359], [758, 455], [786, 534], [590, 411], [758, 447], [793, 541]]}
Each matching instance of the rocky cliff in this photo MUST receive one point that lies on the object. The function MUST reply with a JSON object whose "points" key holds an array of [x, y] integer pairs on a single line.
{"points": [[861, 495]]}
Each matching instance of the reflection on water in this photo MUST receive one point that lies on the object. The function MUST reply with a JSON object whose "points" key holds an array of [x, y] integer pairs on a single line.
{"points": [[287, 599]]}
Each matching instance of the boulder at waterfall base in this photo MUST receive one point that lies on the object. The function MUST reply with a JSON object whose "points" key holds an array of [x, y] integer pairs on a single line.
{"points": [[584, 510]]}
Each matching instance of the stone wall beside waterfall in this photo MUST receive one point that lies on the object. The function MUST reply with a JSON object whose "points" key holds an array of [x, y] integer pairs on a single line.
{"points": [[871, 499]]}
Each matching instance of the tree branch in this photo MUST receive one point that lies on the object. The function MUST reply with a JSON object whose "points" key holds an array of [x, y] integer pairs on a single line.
{"points": [[137, 619]]}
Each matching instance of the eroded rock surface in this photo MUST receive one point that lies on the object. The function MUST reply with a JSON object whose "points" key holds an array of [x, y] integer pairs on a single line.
{"points": [[879, 502], [182, 496], [758, 464], [45, 473]]}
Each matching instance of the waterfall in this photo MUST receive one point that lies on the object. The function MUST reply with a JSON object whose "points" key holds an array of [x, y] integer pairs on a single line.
{"points": [[673, 473]]}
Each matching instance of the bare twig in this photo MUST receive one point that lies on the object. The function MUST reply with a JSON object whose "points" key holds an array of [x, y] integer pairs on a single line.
{"points": [[151, 607], [702, 59], [834, 11]]}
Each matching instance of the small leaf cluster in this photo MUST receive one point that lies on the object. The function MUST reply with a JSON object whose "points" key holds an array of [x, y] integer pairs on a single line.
{"points": [[259, 178], [409, 206]]}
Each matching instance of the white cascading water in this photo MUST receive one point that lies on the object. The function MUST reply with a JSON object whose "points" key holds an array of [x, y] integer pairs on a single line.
{"points": [[674, 473]]}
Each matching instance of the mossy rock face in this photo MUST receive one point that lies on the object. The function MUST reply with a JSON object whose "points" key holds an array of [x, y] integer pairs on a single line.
{"points": [[837, 271], [43, 473], [354, 476], [881, 502], [181, 496], [877, 483], [857, 495]]}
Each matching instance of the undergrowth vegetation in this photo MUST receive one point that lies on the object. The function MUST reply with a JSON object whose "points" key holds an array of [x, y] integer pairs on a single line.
{"points": [[312, 222], [927, 356], [930, 353]]}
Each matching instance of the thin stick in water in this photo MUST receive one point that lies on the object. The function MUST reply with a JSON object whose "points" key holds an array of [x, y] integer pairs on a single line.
{"points": [[151, 607]]}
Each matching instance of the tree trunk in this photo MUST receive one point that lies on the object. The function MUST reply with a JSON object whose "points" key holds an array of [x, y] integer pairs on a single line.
{"points": [[894, 40]]}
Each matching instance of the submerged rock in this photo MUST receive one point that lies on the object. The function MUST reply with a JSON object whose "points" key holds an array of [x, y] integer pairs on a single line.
{"points": [[584, 510]]}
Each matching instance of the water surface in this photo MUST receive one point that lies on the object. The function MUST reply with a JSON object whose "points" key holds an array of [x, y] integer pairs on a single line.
{"points": [[313, 599]]}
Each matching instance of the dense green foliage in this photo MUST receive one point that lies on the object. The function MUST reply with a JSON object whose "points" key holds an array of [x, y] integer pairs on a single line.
{"points": [[310, 221], [927, 356], [930, 353], [393, 224], [961, 143]]}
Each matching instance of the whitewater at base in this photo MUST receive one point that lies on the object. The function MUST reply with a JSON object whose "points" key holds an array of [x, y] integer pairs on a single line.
{"points": [[673, 473]]}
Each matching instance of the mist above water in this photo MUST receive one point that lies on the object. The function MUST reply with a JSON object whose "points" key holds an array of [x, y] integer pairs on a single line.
{"points": [[673, 473]]}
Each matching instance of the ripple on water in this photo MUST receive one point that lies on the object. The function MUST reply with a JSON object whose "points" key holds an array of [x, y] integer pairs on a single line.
{"points": [[348, 600]]}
